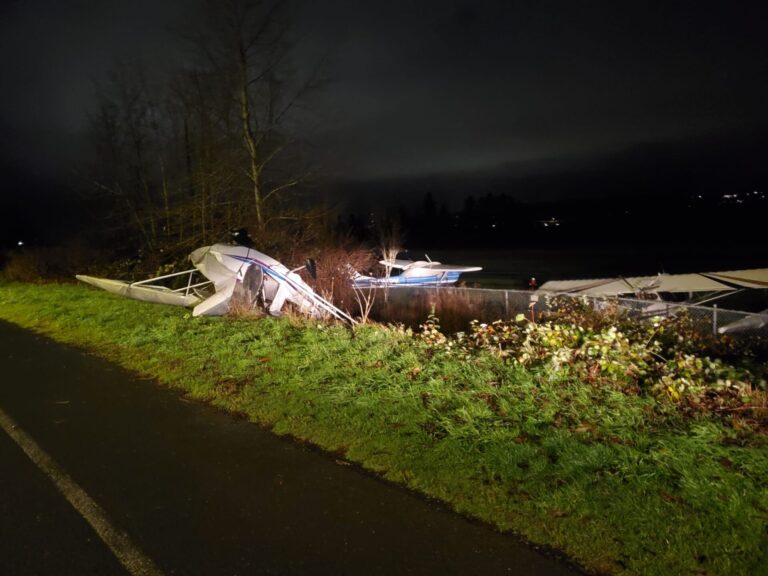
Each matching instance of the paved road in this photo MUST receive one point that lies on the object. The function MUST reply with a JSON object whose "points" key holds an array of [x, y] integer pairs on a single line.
{"points": [[198, 491]]}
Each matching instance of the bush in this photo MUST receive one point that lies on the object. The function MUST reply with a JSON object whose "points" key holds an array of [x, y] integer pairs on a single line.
{"points": [[656, 358], [57, 263], [335, 266]]}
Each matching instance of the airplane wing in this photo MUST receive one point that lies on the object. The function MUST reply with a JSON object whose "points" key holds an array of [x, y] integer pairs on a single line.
{"points": [[157, 294], [428, 264], [751, 322], [754, 278], [701, 282], [396, 263], [437, 267], [634, 284]]}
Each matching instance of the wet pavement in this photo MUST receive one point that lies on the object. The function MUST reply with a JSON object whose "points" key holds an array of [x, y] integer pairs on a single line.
{"points": [[200, 491]]}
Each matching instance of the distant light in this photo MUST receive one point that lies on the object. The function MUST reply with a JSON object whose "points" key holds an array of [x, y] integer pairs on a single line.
{"points": [[551, 222], [493, 225], [20, 243]]}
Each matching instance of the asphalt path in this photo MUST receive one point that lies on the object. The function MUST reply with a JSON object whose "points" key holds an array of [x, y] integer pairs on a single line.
{"points": [[199, 491]]}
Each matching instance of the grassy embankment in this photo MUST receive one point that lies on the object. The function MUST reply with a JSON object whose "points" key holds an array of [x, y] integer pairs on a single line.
{"points": [[623, 483]]}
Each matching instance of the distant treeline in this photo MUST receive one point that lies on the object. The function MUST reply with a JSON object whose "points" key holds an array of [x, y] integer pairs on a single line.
{"points": [[501, 221]]}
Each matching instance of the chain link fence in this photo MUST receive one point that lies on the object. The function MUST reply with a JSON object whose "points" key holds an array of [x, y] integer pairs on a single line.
{"points": [[706, 319], [457, 306]]}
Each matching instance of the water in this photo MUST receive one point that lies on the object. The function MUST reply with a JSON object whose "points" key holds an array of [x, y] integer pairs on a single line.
{"points": [[513, 268]]}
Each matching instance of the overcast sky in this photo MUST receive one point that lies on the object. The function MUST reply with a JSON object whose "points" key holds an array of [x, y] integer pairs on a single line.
{"points": [[430, 86]]}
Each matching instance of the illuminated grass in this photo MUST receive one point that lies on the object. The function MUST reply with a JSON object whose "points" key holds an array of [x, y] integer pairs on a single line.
{"points": [[617, 482]]}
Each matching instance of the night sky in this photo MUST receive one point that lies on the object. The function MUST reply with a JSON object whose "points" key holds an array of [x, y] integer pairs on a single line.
{"points": [[440, 88]]}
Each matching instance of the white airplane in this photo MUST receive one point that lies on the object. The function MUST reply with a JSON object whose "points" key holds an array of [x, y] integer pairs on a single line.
{"points": [[710, 286], [225, 267], [414, 273], [750, 322], [716, 282]]}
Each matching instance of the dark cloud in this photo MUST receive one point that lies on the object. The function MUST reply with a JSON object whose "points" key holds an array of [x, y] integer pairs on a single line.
{"points": [[457, 86], [53, 54], [431, 86]]}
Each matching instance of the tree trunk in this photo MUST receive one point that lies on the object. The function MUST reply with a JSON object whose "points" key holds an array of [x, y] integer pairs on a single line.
{"points": [[251, 145]]}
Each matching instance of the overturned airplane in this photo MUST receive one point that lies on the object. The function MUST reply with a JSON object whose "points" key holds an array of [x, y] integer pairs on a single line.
{"points": [[225, 267], [714, 282], [711, 286]]}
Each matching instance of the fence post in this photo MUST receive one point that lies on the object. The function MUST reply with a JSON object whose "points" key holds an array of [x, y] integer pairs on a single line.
{"points": [[506, 304], [532, 306], [714, 319]]}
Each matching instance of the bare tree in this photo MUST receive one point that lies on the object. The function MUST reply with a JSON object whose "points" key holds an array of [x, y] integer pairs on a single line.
{"points": [[124, 135], [179, 163], [365, 298], [208, 154], [247, 44], [390, 239]]}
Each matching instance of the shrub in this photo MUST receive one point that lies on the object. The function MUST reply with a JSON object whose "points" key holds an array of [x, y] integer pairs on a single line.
{"points": [[56, 263], [654, 358], [335, 266]]}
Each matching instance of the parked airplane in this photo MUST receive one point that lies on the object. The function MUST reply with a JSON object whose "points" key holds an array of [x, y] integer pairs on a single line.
{"points": [[414, 273]]}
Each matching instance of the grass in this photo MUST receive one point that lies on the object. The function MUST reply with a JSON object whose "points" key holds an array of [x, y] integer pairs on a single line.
{"points": [[621, 483]]}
